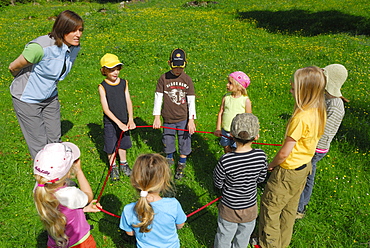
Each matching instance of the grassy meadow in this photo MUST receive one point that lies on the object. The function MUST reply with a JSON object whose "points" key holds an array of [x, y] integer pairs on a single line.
{"points": [[268, 40]]}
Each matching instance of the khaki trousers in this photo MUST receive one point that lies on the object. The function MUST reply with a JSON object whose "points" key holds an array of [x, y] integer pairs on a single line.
{"points": [[40, 123], [279, 204]]}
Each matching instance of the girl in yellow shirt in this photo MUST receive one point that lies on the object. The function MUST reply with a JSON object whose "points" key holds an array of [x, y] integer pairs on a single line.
{"points": [[292, 164]]}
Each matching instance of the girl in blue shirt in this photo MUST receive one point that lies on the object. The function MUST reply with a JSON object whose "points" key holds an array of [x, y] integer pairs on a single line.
{"points": [[152, 219]]}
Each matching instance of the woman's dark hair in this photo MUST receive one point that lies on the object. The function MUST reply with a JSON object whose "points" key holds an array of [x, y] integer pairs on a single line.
{"points": [[66, 22]]}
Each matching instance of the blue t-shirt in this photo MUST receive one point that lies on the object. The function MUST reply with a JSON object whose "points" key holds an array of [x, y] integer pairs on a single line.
{"points": [[163, 234]]}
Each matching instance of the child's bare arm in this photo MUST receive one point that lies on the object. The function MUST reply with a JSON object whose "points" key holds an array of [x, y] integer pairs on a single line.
{"points": [[157, 122], [248, 106], [191, 126], [91, 207], [130, 124], [82, 181], [179, 226], [283, 153], [217, 132]]}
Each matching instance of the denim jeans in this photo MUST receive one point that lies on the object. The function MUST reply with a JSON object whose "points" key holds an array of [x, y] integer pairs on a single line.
{"points": [[235, 235], [307, 191], [226, 141], [184, 138]]}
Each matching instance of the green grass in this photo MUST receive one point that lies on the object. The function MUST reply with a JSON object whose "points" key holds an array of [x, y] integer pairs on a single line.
{"points": [[268, 40]]}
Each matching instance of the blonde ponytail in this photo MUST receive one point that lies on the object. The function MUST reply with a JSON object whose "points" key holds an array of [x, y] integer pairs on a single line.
{"points": [[48, 208], [145, 214], [150, 173]]}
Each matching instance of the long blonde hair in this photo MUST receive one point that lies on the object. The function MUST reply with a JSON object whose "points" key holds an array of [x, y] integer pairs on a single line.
{"points": [[150, 173], [47, 206], [308, 90]]}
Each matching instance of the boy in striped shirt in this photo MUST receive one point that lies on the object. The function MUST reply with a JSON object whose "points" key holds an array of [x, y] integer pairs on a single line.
{"points": [[237, 174]]}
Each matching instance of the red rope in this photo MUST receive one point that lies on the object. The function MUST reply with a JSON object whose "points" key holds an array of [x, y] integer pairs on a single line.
{"points": [[110, 167], [114, 157], [199, 209], [210, 133], [105, 211]]}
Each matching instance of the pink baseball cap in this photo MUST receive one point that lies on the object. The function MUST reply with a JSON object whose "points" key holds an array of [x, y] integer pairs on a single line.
{"points": [[55, 160], [241, 78]]}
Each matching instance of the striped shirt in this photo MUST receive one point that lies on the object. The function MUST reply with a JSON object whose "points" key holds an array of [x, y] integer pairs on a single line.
{"points": [[335, 113], [237, 175]]}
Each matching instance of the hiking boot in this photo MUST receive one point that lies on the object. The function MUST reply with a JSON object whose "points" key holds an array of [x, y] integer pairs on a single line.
{"points": [[114, 174], [179, 170], [299, 216], [170, 161], [124, 168]]}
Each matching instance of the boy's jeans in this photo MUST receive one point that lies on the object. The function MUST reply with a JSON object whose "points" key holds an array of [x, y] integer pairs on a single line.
{"points": [[307, 191], [235, 235]]}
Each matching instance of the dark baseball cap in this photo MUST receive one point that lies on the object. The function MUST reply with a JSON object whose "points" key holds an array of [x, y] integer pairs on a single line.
{"points": [[178, 58]]}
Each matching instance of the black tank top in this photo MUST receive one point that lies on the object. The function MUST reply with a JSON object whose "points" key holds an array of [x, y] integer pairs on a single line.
{"points": [[116, 98]]}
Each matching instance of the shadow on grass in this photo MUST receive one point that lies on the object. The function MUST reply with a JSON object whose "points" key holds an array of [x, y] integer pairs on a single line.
{"points": [[96, 134], [203, 224], [308, 23], [42, 239], [285, 116], [109, 225], [355, 128], [148, 135], [204, 161], [66, 125]]}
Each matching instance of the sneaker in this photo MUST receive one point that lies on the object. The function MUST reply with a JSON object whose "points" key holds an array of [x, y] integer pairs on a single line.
{"points": [[299, 216], [124, 168], [179, 170], [114, 174], [170, 161]]}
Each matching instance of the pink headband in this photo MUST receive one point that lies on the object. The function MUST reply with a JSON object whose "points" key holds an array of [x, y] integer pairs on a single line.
{"points": [[241, 78]]}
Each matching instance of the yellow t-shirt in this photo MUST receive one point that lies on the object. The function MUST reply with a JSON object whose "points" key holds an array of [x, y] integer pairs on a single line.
{"points": [[303, 128]]}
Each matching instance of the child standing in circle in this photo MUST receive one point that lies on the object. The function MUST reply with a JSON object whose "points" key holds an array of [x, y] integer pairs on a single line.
{"points": [[233, 103], [118, 114], [292, 164], [336, 75], [237, 174], [154, 220], [176, 90], [61, 208]]}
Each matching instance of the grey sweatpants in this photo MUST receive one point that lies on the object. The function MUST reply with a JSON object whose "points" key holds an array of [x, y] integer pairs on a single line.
{"points": [[40, 123]]}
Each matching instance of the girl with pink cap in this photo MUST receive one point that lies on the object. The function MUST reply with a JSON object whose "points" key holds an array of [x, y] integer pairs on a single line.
{"points": [[61, 208], [236, 101]]}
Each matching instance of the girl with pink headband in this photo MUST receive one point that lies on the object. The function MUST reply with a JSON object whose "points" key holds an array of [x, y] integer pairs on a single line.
{"points": [[236, 101]]}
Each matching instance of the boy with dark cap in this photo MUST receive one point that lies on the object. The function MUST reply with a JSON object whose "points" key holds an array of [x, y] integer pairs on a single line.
{"points": [[175, 89], [237, 174]]}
